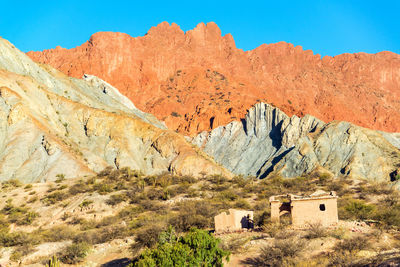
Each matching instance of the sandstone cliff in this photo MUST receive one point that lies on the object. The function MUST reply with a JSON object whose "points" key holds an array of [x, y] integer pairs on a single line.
{"points": [[53, 124], [268, 140], [198, 80]]}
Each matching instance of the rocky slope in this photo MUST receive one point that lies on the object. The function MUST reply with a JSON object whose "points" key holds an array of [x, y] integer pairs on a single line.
{"points": [[53, 124], [268, 140], [198, 80]]}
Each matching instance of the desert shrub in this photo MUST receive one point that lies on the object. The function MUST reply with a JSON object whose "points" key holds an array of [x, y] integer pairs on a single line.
{"points": [[219, 187], [272, 229], [18, 215], [339, 186], [182, 188], [60, 177], [74, 253], [28, 187], [196, 248], [15, 239], [135, 197], [87, 224], [184, 179], [353, 244], [242, 204], [54, 197], [103, 188], [106, 172], [228, 195], [155, 194], [345, 251], [21, 251], [338, 233], [85, 203], [282, 252], [130, 212], [78, 188], [101, 235], [262, 218], [186, 220], [56, 233], [355, 209], [285, 233], [240, 181], [33, 199], [106, 221], [4, 224], [12, 183], [316, 230], [324, 178], [262, 206], [25, 219], [234, 244], [152, 205], [197, 214], [192, 192], [147, 237], [389, 216], [381, 188], [217, 179]]}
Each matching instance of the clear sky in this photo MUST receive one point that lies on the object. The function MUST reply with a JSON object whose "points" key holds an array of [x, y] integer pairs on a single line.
{"points": [[326, 27]]}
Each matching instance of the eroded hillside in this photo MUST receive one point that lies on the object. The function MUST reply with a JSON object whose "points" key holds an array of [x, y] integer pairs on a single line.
{"points": [[53, 124]]}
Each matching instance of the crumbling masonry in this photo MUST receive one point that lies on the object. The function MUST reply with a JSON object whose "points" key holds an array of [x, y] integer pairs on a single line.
{"points": [[320, 207]]}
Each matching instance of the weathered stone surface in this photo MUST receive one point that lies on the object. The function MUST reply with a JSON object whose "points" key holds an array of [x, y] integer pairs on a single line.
{"points": [[267, 141], [199, 80], [53, 124]]}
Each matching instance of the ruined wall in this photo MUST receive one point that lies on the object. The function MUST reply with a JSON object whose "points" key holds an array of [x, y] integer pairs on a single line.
{"points": [[234, 221], [310, 211]]}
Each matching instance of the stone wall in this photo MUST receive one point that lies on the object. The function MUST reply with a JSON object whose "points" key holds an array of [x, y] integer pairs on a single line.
{"points": [[236, 220], [311, 211]]}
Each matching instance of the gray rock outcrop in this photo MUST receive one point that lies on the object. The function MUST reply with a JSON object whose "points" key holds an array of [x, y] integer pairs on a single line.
{"points": [[267, 141]]}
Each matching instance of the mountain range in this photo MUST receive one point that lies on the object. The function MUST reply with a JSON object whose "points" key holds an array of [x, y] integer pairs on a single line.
{"points": [[198, 80], [193, 104]]}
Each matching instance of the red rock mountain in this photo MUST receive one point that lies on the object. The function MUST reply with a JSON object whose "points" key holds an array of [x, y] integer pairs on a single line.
{"points": [[198, 80]]}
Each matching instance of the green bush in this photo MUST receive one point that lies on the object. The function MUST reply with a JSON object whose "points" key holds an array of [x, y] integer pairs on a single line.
{"points": [[196, 248], [355, 209]]}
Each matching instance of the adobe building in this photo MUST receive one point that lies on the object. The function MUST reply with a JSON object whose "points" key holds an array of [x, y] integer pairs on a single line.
{"points": [[236, 220], [319, 207]]}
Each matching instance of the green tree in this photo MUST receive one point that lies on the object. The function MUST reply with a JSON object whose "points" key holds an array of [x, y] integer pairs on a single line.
{"points": [[196, 248]]}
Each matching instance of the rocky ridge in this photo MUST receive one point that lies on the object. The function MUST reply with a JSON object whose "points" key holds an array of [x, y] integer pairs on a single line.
{"points": [[198, 80], [52, 124], [268, 141]]}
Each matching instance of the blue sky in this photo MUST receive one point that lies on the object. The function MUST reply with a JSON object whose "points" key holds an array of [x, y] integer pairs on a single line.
{"points": [[326, 27]]}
